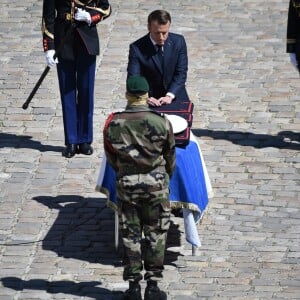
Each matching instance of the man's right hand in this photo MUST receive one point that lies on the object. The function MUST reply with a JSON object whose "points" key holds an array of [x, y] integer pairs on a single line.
{"points": [[153, 102], [50, 58]]}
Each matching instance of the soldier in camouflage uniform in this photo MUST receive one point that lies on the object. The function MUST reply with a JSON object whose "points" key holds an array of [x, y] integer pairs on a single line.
{"points": [[139, 145], [293, 32]]}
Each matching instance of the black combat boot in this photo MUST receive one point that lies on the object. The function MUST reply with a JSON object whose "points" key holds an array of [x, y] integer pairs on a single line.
{"points": [[134, 291], [152, 291]]}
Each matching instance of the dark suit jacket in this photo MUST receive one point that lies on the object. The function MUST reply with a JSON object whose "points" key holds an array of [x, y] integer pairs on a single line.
{"points": [[55, 26], [144, 61]]}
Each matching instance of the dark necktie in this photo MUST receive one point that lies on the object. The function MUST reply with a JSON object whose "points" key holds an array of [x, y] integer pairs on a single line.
{"points": [[160, 54]]}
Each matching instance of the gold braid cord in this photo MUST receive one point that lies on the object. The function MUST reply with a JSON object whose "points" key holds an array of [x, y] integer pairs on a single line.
{"points": [[45, 30], [103, 12]]}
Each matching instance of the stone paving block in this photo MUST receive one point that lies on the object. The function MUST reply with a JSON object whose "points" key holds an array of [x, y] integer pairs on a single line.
{"points": [[246, 97]]}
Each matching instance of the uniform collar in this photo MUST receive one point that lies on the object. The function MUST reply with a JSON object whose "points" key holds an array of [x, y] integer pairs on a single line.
{"points": [[137, 108]]}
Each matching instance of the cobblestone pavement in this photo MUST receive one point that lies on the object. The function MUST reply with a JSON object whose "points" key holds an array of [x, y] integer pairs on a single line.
{"points": [[56, 234]]}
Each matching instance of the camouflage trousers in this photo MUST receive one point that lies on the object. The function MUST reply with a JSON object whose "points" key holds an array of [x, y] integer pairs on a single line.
{"points": [[152, 220]]}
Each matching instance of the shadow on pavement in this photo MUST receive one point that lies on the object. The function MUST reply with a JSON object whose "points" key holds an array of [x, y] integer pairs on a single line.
{"points": [[173, 240], [283, 140], [83, 289], [84, 229], [8, 140]]}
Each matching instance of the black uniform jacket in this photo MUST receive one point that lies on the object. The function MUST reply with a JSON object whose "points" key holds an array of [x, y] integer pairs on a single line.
{"points": [[58, 18], [293, 28]]}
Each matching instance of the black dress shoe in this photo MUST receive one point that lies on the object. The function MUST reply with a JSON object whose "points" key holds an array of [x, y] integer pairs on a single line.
{"points": [[85, 148], [70, 150]]}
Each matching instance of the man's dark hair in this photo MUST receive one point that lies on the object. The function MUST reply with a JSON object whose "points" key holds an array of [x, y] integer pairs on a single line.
{"points": [[161, 16]]}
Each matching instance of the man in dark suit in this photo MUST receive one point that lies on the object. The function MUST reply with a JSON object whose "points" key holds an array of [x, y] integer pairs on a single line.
{"points": [[69, 31], [161, 57]]}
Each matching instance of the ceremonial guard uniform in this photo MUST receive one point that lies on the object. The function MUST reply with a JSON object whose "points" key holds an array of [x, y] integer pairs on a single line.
{"points": [[293, 32], [69, 28], [139, 145]]}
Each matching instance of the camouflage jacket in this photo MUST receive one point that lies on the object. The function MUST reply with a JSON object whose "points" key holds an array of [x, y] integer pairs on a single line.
{"points": [[140, 146]]}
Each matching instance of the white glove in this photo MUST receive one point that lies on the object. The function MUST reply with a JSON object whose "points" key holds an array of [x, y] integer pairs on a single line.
{"points": [[83, 15], [49, 58], [293, 60]]}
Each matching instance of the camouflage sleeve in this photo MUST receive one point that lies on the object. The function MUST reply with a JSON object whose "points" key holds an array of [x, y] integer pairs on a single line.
{"points": [[110, 155], [108, 148], [169, 149]]}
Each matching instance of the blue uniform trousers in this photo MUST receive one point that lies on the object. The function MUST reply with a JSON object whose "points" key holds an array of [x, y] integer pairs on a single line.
{"points": [[76, 83]]}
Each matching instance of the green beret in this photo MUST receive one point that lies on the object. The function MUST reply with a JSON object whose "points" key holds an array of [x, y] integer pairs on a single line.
{"points": [[137, 85]]}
